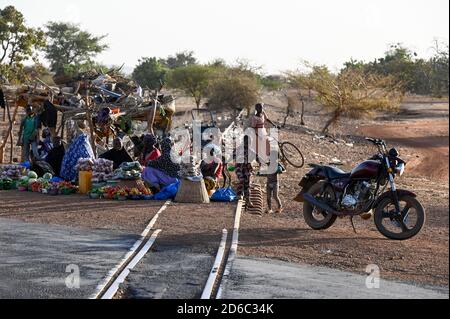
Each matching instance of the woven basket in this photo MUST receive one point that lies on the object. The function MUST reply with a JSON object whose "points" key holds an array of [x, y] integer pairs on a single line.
{"points": [[192, 192]]}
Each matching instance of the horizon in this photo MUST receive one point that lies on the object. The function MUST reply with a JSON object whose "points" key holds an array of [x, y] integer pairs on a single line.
{"points": [[353, 30]]}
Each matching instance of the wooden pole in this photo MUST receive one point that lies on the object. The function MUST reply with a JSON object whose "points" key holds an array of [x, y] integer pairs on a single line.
{"points": [[90, 123]]}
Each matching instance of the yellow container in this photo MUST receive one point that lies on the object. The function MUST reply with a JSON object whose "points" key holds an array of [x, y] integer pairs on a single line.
{"points": [[85, 181]]}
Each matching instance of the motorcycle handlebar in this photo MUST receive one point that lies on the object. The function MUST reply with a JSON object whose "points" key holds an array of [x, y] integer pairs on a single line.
{"points": [[376, 141]]}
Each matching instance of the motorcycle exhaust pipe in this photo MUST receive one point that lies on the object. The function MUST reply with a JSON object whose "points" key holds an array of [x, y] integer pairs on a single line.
{"points": [[310, 199]]}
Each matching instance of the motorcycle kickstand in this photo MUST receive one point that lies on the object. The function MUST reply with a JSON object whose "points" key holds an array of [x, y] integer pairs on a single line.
{"points": [[353, 225]]}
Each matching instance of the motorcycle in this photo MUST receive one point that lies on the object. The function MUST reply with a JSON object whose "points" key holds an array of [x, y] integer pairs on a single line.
{"points": [[328, 192]]}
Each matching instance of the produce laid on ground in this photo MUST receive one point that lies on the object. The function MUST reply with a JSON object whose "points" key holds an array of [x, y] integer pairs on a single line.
{"points": [[128, 171], [121, 193], [45, 185], [9, 175]]}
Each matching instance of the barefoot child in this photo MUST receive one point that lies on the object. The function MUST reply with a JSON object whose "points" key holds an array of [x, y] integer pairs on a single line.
{"points": [[273, 189]]}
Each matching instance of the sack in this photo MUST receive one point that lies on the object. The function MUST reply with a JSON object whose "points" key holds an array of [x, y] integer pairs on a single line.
{"points": [[168, 192], [224, 195]]}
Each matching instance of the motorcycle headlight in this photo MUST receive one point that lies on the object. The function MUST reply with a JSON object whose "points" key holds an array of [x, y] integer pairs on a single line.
{"points": [[400, 169]]}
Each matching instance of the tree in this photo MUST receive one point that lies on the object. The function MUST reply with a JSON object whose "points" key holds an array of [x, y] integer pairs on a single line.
{"points": [[181, 59], [439, 73], [272, 82], [235, 92], [150, 73], [353, 92], [19, 43], [193, 79], [70, 47]]}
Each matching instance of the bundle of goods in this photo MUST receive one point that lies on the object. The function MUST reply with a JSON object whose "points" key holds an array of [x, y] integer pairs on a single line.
{"points": [[13, 172], [191, 170], [127, 171], [84, 165], [102, 170]]}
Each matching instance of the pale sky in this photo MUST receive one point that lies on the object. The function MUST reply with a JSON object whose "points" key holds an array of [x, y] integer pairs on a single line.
{"points": [[275, 34]]}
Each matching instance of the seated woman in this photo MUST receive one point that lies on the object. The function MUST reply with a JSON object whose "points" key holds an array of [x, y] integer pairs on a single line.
{"points": [[212, 167], [118, 154], [162, 171], [56, 155], [150, 152]]}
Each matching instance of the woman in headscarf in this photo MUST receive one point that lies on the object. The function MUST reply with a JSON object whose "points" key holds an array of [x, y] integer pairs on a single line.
{"points": [[149, 152], [162, 171]]}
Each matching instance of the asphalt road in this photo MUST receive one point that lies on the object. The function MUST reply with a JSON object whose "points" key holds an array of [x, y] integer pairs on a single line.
{"points": [[254, 278], [43, 261], [169, 272]]}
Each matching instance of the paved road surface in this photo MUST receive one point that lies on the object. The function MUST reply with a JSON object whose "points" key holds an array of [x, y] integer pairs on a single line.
{"points": [[34, 257], [253, 278]]}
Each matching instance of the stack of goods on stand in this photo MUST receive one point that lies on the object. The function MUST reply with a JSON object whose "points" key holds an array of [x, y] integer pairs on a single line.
{"points": [[9, 175], [102, 171], [192, 188]]}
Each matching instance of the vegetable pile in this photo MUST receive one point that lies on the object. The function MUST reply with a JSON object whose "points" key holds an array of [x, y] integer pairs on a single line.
{"points": [[84, 165], [130, 170], [13, 172]]}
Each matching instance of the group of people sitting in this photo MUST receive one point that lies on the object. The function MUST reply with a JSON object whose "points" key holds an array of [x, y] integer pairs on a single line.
{"points": [[47, 151]]}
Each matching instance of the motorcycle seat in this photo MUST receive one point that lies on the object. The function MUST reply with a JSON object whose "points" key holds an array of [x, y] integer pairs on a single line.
{"points": [[334, 172]]}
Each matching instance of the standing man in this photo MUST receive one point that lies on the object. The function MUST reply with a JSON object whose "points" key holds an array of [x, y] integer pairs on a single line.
{"points": [[28, 135]]}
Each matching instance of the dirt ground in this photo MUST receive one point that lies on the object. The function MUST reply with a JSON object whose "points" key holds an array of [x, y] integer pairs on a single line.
{"points": [[422, 140], [419, 131]]}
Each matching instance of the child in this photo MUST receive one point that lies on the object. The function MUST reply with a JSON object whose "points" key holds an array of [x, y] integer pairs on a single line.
{"points": [[244, 172], [273, 189]]}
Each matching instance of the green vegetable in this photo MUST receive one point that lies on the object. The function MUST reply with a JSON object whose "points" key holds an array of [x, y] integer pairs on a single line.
{"points": [[48, 176], [33, 175]]}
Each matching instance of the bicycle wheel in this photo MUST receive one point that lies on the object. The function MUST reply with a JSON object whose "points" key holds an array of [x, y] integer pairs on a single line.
{"points": [[292, 154]]}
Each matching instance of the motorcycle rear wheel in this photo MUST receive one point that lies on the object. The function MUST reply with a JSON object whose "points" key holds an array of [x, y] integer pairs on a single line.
{"points": [[391, 228], [315, 217]]}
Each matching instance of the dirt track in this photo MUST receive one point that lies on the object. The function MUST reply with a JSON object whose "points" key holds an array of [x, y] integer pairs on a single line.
{"points": [[428, 138]]}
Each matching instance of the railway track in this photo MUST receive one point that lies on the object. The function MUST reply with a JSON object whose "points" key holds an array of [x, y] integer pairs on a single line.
{"points": [[219, 273]]}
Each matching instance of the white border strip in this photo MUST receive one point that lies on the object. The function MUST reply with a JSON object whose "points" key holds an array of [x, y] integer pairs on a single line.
{"points": [[233, 248], [215, 269], [112, 290], [130, 253]]}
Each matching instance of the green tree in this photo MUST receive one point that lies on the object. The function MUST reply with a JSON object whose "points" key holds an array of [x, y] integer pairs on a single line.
{"points": [[70, 47], [235, 92], [150, 73], [272, 82], [193, 79], [19, 43], [181, 59]]}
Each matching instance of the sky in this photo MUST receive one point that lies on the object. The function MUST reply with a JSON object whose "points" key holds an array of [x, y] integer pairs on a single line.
{"points": [[277, 35]]}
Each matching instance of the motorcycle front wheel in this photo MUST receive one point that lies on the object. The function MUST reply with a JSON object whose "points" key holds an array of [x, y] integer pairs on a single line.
{"points": [[315, 217], [404, 226]]}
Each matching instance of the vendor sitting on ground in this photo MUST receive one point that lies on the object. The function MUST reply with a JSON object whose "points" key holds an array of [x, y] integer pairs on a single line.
{"points": [[150, 152], [118, 154], [56, 154], [162, 171], [212, 167]]}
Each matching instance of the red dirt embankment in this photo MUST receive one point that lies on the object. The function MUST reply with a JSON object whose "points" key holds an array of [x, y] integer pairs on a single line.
{"points": [[428, 138]]}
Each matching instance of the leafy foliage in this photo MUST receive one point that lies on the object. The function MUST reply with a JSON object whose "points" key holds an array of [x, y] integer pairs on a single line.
{"points": [[181, 59], [150, 73], [353, 92], [69, 47], [19, 43], [193, 79]]}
